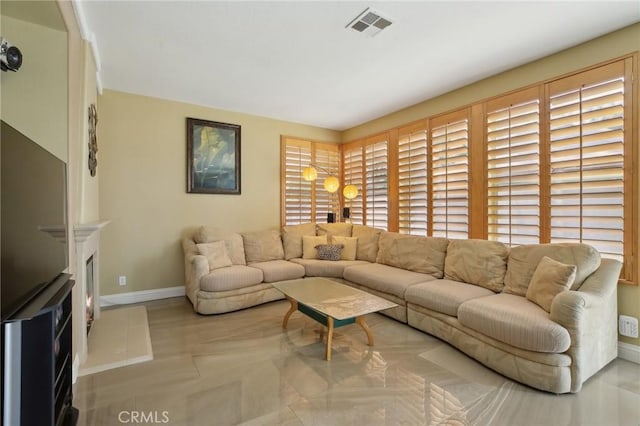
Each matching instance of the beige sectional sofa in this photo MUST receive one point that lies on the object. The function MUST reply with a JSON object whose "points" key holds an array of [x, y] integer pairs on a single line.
{"points": [[509, 308]]}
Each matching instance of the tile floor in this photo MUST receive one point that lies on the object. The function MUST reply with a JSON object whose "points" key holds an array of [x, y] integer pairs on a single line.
{"points": [[242, 368]]}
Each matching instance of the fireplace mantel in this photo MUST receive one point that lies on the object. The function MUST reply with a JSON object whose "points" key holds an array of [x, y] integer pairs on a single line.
{"points": [[83, 231]]}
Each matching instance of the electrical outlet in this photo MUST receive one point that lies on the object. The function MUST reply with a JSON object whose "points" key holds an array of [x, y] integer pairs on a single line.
{"points": [[628, 326], [122, 280]]}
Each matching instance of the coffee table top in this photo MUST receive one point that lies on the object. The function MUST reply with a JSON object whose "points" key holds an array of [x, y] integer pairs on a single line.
{"points": [[333, 299]]}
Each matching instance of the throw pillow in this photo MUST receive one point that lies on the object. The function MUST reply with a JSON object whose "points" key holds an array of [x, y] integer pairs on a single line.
{"points": [[550, 278], [292, 239], [309, 244], [329, 251], [216, 254], [350, 246]]}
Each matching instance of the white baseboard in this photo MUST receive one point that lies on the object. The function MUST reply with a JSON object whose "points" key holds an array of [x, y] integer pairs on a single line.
{"points": [[141, 296], [629, 352]]}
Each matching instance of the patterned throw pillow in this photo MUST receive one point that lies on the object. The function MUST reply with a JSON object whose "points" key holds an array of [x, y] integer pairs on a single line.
{"points": [[329, 251]]}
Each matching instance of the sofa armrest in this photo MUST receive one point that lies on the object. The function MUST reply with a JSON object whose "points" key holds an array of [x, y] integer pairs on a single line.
{"points": [[589, 315]]}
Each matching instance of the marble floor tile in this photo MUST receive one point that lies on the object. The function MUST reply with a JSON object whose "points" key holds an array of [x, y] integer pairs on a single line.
{"points": [[243, 368]]}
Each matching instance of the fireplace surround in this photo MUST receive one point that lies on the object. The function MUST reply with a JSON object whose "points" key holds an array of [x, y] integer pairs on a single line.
{"points": [[87, 238]]}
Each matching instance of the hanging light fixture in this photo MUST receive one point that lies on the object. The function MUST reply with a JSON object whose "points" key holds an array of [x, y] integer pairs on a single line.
{"points": [[331, 184], [309, 173], [350, 192]]}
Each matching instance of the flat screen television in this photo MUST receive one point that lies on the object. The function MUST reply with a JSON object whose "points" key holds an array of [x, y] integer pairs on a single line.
{"points": [[33, 219]]}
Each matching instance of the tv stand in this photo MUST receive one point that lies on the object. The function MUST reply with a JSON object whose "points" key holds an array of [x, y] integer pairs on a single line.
{"points": [[37, 360]]}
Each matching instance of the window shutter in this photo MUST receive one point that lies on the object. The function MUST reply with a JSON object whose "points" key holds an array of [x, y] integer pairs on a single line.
{"points": [[450, 176], [326, 157], [353, 161], [513, 170], [587, 159], [412, 182], [376, 183], [297, 191]]}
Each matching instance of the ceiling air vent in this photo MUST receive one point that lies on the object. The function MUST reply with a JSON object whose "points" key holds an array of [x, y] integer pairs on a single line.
{"points": [[369, 22]]}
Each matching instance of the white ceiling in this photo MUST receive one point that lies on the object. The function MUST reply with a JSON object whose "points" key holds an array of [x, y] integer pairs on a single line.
{"points": [[296, 61]]}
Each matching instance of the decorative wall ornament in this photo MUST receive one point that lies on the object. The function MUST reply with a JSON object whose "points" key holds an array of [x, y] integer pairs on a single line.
{"points": [[93, 140], [213, 157]]}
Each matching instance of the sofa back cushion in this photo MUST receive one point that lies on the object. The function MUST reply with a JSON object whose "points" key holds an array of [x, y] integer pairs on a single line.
{"points": [[292, 239], [233, 242], [417, 254], [478, 262], [523, 261], [263, 246], [334, 229], [367, 244]]}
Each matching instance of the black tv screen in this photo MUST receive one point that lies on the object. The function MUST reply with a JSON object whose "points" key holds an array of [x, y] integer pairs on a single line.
{"points": [[33, 216]]}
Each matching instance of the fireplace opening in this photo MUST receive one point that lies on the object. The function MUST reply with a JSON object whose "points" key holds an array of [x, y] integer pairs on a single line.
{"points": [[89, 292]]}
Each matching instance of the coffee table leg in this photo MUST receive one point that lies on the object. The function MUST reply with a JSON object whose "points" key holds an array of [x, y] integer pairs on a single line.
{"points": [[329, 337], [292, 309], [365, 327]]}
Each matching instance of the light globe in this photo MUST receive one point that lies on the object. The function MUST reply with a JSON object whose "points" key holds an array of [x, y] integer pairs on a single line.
{"points": [[331, 184]]}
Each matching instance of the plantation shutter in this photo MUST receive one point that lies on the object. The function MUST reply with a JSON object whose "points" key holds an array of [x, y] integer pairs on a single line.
{"points": [[513, 168], [297, 192], [326, 157], [450, 175], [376, 184], [587, 147], [353, 168], [412, 180]]}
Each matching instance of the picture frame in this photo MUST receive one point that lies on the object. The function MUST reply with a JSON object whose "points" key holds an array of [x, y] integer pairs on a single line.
{"points": [[213, 157]]}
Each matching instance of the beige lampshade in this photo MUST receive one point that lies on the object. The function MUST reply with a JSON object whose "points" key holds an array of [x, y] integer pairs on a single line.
{"points": [[331, 184], [350, 192], [309, 173]]}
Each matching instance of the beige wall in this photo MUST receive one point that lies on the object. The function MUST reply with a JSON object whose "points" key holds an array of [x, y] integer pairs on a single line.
{"points": [[34, 99], [610, 46], [142, 169]]}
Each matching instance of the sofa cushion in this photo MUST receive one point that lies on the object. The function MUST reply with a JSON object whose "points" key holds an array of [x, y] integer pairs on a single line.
{"points": [[444, 296], [386, 279], [515, 321], [334, 229], [523, 261], [292, 239], [418, 254], [309, 243], [231, 278], [233, 241], [367, 247], [326, 268], [330, 252], [550, 278], [262, 246], [279, 270], [350, 246], [478, 262], [216, 254]]}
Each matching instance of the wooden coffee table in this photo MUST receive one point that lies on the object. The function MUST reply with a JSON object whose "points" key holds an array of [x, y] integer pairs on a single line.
{"points": [[331, 304]]}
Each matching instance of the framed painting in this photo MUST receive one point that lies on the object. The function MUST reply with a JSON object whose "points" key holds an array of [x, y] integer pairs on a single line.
{"points": [[213, 157]]}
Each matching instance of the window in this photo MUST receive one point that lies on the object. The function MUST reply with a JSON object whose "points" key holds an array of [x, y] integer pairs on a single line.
{"points": [[587, 161], [450, 175], [304, 201], [353, 167], [412, 180], [513, 168], [296, 194], [376, 184]]}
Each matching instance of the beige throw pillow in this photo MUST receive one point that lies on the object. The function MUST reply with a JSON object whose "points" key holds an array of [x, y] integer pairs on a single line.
{"points": [[309, 244], [292, 239], [550, 278], [216, 254], [350, 246]]}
